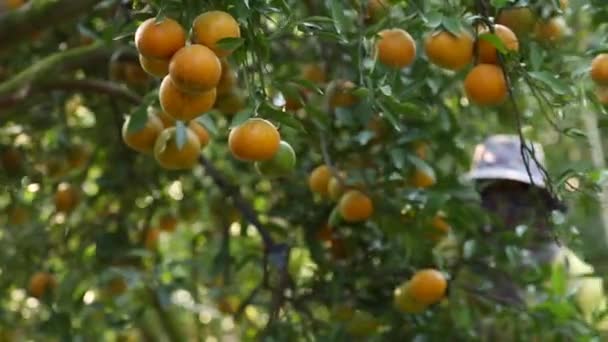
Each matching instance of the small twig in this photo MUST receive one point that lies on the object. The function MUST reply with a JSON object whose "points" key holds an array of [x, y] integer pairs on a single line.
{"points": [[239, 202], [247, 301]]}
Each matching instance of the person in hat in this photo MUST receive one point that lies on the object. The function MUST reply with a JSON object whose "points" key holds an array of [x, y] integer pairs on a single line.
{"points": [[514, 193]]}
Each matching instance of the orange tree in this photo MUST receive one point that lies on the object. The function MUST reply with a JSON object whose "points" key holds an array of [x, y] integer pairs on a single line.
{"points": [[285, 169]]}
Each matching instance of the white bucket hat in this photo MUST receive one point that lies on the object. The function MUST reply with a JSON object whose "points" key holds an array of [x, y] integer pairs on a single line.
{"points": [[500, 157]]}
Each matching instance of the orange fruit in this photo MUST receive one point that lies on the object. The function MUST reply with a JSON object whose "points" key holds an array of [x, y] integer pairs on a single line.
{"points": [[182, 105], [170, 156], [376, 9], [427, 286], [343, 94], [599, 69], [142, 140], [195, 68], [11, 160], [168, 223], [154, 66], [66, 198], [254, 140], [159, 39], [486, 85], [440, 224], [324, 234], [231, 103], [550, 31], [281, 164], [449, 51], [78, 156], [355, 206], [18, 215], [520, 20], [423, 179], [487, 51], [318, 180], [314, 73], [213, 26], [421, 150], [335, 188], [151, 240], [293, 103], [404, 302], [395, 48], [168, 120], [14, 4], [117, 286], [40, 283], [602, 95], [200, 131], [135, 74], [228, 79]]}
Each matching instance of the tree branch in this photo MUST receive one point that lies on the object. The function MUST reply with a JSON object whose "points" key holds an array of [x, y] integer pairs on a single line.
{"points": [[83, 85], [47, 65], [18, 26]]}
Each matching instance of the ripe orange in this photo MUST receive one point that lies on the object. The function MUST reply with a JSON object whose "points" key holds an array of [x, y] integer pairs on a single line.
{"points": [[151, 240], [423, 179], [135, 75], [440, 224], [40, 283], [314, 73], [395, 48], [335, 189], [154, 66], [486, 85], [11, 160], [168, 120], [487, 51], [66, 198], [599, 69], [293, 103], [231, 103], [602, 95], [200, 131], [142, 140], [355, 206], [449, 51], [170, 157], [427, 286], [254, 140], [181, 105], [550, 31], [213, 26], [14, 4], [404, 302], [168, 223], [78, 156], [159, 39], [18, 215], [342, 94], [281, 164], [319, 179], [228, 79], [520, 20], [376, 9], [117, 286], [195, 68]]}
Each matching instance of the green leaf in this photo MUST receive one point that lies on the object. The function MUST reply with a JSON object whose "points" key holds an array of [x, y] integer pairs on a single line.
{"points": [[240, 117], [269, 111], [180, 134], [493, 39], [337, 12], [398, 157], [452, 25], [208, 123], [433, 19], [549, 80], [230, 43], [137, 120]]}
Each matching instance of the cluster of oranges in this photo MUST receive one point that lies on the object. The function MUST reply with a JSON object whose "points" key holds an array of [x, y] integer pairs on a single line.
{"points": [[485, 83], [425, 288]]}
